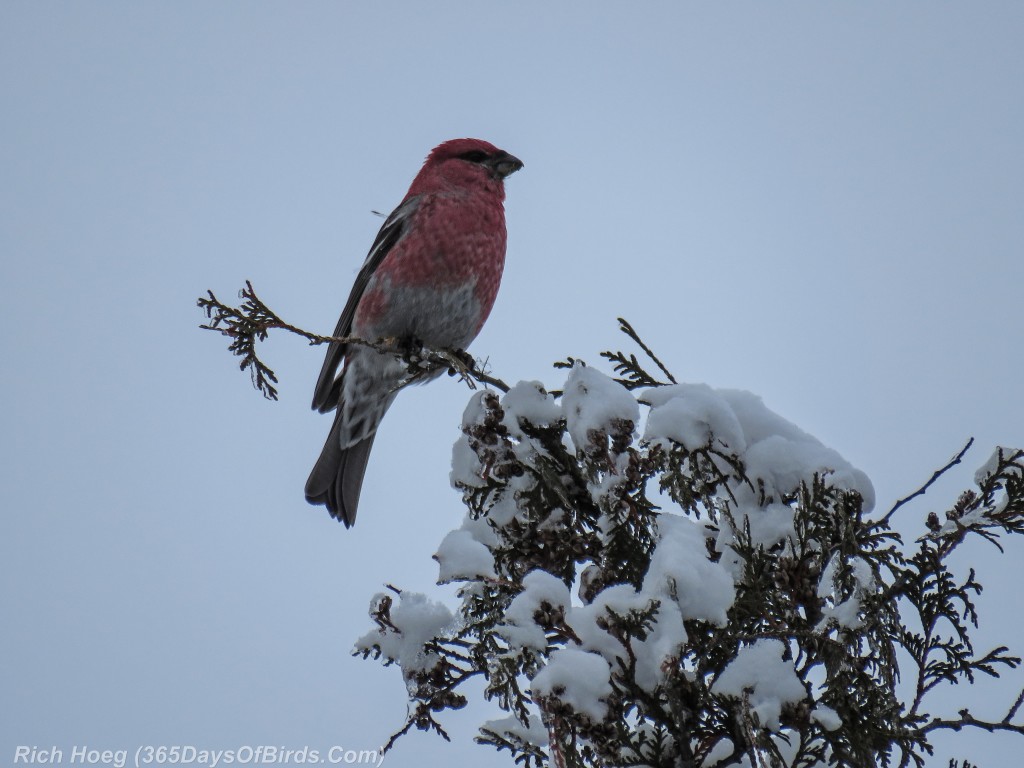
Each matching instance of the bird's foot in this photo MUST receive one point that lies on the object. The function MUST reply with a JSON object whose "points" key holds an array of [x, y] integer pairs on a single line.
{"points": [[423, 361], [412, 351], [461, 364], [409, 348], [460, 361]]}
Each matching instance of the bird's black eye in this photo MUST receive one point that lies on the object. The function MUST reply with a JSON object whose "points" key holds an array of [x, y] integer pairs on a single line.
{"points": [[474, 156]]}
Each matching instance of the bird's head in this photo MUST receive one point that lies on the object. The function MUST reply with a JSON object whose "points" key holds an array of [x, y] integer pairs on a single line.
{"points": [[462, 161]]}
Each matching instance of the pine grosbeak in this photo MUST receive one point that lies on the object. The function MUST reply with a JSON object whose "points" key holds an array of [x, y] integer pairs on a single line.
{"points": [[431, 278]]}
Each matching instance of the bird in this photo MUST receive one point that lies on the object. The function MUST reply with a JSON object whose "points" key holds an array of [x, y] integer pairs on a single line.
{"points": [[430, 279]]}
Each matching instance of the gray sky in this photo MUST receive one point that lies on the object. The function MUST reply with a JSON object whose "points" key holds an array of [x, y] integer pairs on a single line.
{"points": [[820, 203]]}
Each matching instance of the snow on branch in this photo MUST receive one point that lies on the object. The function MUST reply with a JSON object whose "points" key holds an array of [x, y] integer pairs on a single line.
{"points": [[654, 573]]}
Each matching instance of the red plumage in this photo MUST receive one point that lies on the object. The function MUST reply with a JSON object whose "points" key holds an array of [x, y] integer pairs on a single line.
{"points": [[432, 275]]}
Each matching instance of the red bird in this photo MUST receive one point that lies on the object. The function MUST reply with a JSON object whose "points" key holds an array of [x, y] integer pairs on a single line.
{"points": [[431, 277]]}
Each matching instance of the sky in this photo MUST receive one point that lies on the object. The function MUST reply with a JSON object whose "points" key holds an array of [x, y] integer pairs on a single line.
{"points": [[818, 203]]}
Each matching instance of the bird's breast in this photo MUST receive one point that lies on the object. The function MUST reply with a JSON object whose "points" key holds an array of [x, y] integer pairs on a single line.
{"points": [[439, 282]]}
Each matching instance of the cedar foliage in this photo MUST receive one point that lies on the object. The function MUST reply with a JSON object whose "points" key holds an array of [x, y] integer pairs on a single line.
{"points": [[915, 615]]}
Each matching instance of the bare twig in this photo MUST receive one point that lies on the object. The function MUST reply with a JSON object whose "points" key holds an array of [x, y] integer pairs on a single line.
{"points": [[938, 473], [968, 720], [1013, 710]]}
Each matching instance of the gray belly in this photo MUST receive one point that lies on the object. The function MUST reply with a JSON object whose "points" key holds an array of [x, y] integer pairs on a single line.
{"points": [[439, 318], [445, 317]]}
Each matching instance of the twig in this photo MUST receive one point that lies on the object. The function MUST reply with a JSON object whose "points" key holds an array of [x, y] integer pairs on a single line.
{"points": [[938, 473], [252, 321], [967, 719], [462, 364], [1014, 708]]}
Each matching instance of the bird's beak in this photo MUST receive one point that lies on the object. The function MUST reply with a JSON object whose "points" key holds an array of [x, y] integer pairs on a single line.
{"points": [[504, 165]]}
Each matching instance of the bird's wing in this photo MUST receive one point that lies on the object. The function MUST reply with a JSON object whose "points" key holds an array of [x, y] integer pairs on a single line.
{"points": [[328, 386]]}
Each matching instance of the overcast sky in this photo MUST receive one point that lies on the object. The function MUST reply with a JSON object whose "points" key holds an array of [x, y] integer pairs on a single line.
{"points": [[820, 203]]}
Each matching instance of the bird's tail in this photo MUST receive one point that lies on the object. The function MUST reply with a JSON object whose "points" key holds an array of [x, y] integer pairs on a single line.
{"points": [[338, 475]]}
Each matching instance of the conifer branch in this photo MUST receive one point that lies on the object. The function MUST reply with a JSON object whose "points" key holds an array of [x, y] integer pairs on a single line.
{"points": [[632, 373], [251, 322]]}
